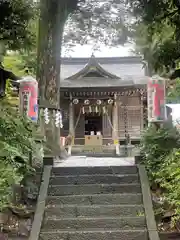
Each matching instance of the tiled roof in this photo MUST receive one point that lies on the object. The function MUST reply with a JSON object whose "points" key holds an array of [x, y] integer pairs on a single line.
{"points": [[103, 82], [126, 71]]}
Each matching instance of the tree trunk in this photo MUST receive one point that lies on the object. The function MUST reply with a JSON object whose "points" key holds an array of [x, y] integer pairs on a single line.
{"points": [[49, 51], [2, 51], [53, 15]]}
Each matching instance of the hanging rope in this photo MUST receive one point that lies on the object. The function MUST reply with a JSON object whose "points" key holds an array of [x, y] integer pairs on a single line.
{"points": [[77, 121], [126, 133], [125, 129], [68, 141], [109, 120]]}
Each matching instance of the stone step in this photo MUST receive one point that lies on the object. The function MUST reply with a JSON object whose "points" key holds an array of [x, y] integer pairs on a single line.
{"points": [[105, 199], [169, 235], [127, 223], [73, 211], [95, 179], [16, 238], [109, 153], [62, 190], [103, 234], [94, 170]]}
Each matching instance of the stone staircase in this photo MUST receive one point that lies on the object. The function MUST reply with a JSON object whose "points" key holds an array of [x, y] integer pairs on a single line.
{"points": [[88, 203]]}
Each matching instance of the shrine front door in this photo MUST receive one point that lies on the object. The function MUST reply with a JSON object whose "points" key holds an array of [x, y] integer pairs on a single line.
{"points": [[93, 124]]}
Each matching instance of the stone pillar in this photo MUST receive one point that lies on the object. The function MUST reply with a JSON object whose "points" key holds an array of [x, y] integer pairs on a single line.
{"points": [[115, 135]]}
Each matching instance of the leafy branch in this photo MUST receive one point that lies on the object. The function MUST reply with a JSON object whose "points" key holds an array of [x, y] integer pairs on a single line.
{"points": [[16, 143]]}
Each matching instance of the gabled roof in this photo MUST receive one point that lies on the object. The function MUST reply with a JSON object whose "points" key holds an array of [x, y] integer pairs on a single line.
{"points": [[102, 72], [93, 68]]}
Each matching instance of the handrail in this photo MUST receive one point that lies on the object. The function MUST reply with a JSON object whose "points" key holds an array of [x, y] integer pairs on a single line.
{"points": [[148, 206], [38, 217]]}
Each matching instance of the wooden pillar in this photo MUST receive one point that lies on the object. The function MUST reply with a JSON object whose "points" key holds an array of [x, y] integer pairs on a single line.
{"points": [[71, 120], [115, 135], [141, 112], [71, 125]]}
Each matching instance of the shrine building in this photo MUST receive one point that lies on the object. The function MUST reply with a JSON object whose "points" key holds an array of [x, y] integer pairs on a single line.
{"points": [[104, 102]]}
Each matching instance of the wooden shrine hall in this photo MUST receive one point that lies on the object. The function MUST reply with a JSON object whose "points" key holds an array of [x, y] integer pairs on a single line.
{"points": [[103, 102]]}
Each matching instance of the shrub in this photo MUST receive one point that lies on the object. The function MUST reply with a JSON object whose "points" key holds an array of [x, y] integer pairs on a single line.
{"points": [[161, 151], [16, 144], [156, 145], [169, 178]]}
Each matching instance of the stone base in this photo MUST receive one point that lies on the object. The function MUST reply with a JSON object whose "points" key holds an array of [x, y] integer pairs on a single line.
{"points": [[93, 150], [48, 161], [138, 159]]}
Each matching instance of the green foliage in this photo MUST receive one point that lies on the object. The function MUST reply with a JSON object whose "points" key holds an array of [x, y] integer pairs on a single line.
{"points": [[28, 57], [95, 22], [18, 31], [24, 58], [169, 176], [18, 63], [16, 144], [29, 61], [14, 23], [173, 94], [156, 144], [161, 149], [9, 177], [158, 48], [160, 23], [14, 63]]}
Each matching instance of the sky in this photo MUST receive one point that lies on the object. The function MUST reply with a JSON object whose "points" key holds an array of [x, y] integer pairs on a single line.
{"points": [[121, 51]]}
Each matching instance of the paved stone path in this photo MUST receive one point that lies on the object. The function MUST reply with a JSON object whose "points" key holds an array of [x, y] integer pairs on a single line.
{"points": [[83, 161]]}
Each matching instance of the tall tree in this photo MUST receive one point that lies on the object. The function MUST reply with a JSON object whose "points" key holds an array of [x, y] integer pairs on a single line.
{"points": [[85, 20], [158, 48], [16, 32], [162, 19], [14, 23], [103, 20]]}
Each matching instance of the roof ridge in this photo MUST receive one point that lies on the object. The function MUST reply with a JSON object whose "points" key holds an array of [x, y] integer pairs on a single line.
{"points": [[93, 65], [102, 60]]}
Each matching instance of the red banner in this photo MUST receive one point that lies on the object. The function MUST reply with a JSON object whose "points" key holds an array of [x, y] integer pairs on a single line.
{"points": [[29, 98], [156, 100]]}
